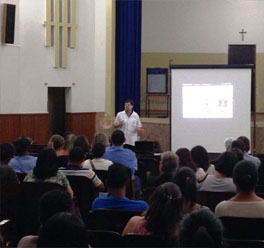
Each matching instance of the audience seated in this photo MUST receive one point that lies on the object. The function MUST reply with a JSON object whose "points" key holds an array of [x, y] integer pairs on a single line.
{"points": [[117, 179], [63, 230], [98, 163], [50, 203], [82, 141], [74, 168], [201, 228], [100, 138], [69, 141], [168, 167], [201, 158], [7, 174], [47, 170], [186, 160], [245, 203], [222, 180], [186, 180], [23, 162], [57, 143], [117, 154], [163, 216], [228, 143], [255, 160]]}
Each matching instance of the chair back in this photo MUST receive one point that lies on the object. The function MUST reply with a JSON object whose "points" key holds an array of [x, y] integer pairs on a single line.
{"points": [[30, 194], [9, 203], [110, 219], [101, 238], [84, 192], [151, 164], [211, 199], [243, 228], [242, 243], [135, 240]]}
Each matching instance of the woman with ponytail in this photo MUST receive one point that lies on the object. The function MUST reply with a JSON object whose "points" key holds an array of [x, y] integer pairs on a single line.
{"points": [[245, 203], [186, 180], [163, 216]]}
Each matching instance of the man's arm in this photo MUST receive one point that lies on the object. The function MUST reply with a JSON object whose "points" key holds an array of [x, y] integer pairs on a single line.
{"points": [[118, 121]]}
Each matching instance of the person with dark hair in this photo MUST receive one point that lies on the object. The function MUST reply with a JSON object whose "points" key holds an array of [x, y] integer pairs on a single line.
{"points": [[169, 164], [186, 160], [187, 182], [63, 230], [200, 157], [201, 228], [82, 141], [50, 203], [7, 174], [74, 167], [239, 154], [238, 144], [23, 162], [98, 163], [245, 203], [163, 216], [116, 181], [222, 180], [128, 121], [46, 170], [117, 154], [247, 156]]}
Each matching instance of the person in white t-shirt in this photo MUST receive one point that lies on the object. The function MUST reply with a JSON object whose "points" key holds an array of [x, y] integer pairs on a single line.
{"points": [[98, 163], [129, 122]]}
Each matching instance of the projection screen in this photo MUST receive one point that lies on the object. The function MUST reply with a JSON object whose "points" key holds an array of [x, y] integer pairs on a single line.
{"points": [[209, 105]]}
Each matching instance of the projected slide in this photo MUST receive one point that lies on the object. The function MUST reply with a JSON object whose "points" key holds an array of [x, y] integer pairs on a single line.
{"points": [[207, 100]]}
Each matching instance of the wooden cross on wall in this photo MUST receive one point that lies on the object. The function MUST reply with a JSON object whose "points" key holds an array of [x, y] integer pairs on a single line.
{"points": [[242, 33]]}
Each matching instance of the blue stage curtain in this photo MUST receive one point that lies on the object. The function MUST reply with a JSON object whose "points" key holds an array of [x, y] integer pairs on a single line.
{"points": [[128, 52]]}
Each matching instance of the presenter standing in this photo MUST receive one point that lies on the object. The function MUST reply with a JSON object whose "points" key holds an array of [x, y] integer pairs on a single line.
{"points": [[129, 122]]}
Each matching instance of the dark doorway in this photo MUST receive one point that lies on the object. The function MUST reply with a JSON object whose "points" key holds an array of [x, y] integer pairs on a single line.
{"points": [[56, 109]]}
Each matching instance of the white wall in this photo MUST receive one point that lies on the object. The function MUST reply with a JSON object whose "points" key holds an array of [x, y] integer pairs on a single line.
{"points": [[201, 26], [31, 64]]}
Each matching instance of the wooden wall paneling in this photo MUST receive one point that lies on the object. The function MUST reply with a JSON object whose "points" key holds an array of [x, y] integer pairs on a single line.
{"points": [[81, 124], [35, 126]]}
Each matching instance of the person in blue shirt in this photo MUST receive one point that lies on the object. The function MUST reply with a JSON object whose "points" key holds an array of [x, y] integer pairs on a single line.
{"points": [[117, 154], [117, 179], [23, 162]]}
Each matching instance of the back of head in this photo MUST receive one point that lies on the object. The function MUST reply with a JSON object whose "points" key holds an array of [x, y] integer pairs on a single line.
{"points": [[117, 176], [239, 144], [245, 176], [53, 202], [200, 157], [186, 158], [169, 162], [82, 141], [118, 138], [165, 211], [98, 150], [228, 143], [225, 163], [201, 228], [76, 155], [238, 153], [63, 230], [22, 146], [246, 142], [56, 142], [100, 138], [7, 151], [186, 180], [46, 165], [69, 141]]}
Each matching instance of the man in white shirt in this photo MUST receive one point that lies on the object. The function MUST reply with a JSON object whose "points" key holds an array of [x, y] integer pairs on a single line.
{"points": [[128, 121]]}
